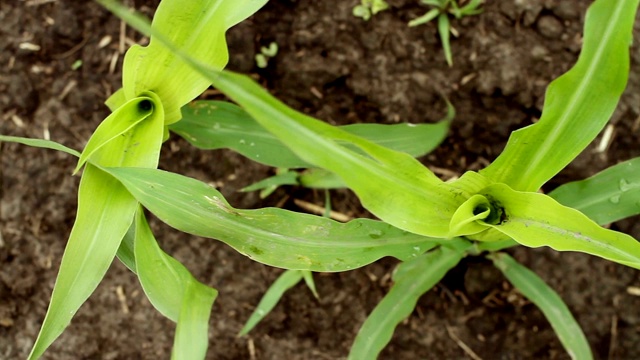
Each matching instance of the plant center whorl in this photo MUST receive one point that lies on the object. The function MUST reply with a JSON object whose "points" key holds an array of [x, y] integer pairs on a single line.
{"points": [[496, 212], [145, 105]]}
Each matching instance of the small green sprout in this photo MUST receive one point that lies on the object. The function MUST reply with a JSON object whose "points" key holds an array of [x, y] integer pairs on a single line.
{"points": [[76, 65], [262, 59], [441, 11], [368, 8]]}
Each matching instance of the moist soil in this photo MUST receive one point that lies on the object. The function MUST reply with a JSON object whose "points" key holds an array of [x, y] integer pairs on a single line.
{"points": [[342, 70]]}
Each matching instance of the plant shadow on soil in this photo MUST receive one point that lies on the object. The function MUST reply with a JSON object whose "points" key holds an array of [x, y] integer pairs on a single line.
{"points": [[341, 69]]}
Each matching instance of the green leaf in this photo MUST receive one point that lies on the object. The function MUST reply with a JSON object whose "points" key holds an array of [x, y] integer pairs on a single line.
{"points": [[611, 195], [270, 184], [199, 30], [308, 279], [217, 124], [577, 105], [191, 339], [174, 292], [285, 281], [552, 306], [320, 179], [40, 143], [471, 8], [404, 193], [534, 220], [361, 11], [378, 5], [117, 124], [444, 29], [413, 139], [411, 280], [432, 14], [608, 196], [105, 212], [272, 236], [126, 253]]}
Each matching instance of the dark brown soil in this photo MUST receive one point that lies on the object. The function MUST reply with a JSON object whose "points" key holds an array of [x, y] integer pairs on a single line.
{"points": [[341, 69]]}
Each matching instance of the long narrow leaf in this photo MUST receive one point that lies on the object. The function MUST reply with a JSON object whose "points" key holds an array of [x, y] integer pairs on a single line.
{"points": [[610, 195], [285, 281], [577, 105], [174, 292], [191, 339], [411, 280], [40, 143], [218, 124], [105, 212], [534, 220], [552, 306], [272, 236]]}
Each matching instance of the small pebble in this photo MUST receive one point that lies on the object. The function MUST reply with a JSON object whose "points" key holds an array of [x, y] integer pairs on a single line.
{"points": [[550, 27]]}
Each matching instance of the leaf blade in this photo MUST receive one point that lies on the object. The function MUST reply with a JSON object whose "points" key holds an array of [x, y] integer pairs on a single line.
{"points": [[39, 143], [534, 220], [272, 236], [573, 113], [174, 292], [102, 220], [546, 299], [412, 280], [608, 196], [270, 299], [218, 124]]}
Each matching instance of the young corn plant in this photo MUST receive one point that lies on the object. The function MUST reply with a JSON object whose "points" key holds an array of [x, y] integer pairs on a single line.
{"points": [[441, 11], [156, 84], [110, 222], [486, 211], [428, 224]]}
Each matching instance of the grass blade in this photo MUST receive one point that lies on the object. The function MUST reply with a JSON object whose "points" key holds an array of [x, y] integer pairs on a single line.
{"points": [[285, 281], [272, 236], [574, 113], [412, 279], [547, 300]]}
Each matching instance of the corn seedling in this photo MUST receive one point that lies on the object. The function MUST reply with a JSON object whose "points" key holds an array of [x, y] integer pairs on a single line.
{"points": [[426, 223], [441, 11]]}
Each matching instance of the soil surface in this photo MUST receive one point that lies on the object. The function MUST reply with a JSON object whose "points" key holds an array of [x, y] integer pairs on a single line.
{"points": [[341, 69]]}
